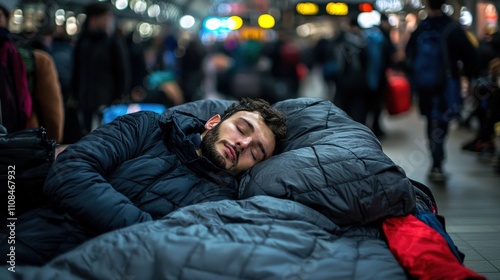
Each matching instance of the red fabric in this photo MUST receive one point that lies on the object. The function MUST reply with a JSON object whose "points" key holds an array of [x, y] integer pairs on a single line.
{"points": [[398, 94], [302, 71], [422, 251]]}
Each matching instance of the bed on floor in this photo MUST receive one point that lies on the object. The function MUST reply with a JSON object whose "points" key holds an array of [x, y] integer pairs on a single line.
{"points": [[331, 205]]}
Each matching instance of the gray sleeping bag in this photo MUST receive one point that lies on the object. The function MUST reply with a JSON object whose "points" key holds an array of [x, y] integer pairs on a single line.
{"points": [[311, 212]]}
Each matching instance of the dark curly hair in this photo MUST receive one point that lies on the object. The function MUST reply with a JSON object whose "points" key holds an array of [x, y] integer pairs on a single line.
{"points": [[273, 118]]}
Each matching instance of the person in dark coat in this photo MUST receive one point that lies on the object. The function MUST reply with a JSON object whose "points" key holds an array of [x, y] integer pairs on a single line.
{"points": [[101, 64], [350, 52], [376, 95], [13, 80], [441, 105], [141, 167]]}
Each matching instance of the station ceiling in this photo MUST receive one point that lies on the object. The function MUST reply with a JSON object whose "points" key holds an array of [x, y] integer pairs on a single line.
{"points": [[176, 8]]}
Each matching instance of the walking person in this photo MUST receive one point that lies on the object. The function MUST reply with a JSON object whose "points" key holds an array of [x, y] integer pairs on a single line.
{"points": [[380, 51], [15, 98], [100, 65], [350, 53], [433, 54]]}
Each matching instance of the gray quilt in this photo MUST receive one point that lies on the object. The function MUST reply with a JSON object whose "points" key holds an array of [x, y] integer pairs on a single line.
{"points": [[311, 212]]}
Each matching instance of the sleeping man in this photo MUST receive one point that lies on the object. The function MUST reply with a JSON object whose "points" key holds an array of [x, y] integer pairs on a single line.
{"points": [[141, 167]]}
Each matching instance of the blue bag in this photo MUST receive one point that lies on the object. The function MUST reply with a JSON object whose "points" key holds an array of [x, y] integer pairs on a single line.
{"points": [[375, 63], [112, 112], [430, 64]]}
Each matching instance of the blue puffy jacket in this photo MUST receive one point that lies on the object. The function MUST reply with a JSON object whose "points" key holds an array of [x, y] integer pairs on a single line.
{"points": [[135, 169]]}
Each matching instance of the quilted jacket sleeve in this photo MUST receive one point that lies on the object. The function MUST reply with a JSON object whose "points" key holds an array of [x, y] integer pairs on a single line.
{"points": [[77, 182]]}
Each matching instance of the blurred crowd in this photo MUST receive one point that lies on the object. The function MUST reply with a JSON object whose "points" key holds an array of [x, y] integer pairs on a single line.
{"points": [[70, 80]]}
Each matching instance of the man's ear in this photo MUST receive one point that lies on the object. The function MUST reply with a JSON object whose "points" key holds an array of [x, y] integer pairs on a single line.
{"points": [[213, 121]]}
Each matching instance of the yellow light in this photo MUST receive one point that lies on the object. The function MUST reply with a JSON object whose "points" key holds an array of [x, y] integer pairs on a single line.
{"points": [[234, 22], [266, 21], [337, 9], [252, 33], [307, 8]]}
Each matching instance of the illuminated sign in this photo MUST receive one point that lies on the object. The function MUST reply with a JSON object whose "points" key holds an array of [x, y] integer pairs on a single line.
{"points": [[266, 21], [234, 22], [390, 5], [337, 9], [332, 8], [252, 33], [307, 8], [365, 7]]}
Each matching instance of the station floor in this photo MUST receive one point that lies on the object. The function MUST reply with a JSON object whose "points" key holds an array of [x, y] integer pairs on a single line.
{"points": [[469, 199]]}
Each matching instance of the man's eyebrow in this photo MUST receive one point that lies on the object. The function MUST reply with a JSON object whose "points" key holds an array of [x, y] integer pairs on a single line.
{"points": [[252, 129]]}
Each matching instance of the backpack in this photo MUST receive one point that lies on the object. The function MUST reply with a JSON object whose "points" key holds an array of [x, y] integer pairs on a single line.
{"points": [[12, 114], [350, 55], [25, 159], [375, 58], [326, 52], [429, 66]]}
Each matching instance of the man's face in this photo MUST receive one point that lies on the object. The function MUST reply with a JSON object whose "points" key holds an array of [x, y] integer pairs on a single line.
{"points": [[238, 142]]}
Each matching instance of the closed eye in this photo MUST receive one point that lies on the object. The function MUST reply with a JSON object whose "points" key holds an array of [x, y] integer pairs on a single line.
{"points": [[254, 157], [240, 130], [257, 155], [251, 129]]}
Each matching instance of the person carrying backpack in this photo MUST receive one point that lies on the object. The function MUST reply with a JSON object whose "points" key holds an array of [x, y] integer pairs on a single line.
{"points": [[350, 55], [15, 98], [379, 52], [433, 54]]}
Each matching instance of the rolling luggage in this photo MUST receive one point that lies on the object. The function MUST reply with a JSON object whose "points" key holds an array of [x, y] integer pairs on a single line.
{"points": [[398, 94]]}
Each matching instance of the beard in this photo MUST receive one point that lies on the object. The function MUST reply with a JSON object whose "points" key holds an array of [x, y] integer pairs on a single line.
{"points": [[208, 149]]}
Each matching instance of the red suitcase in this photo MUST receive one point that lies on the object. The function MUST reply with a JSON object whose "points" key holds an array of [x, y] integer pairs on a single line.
{"points": [[398, 94]]}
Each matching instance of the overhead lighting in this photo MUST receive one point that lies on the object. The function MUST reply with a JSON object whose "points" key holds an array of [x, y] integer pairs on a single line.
{"points": [[154, 10], [71, 26], [234, 22], [187, 21], [266, 21], [465, 17], [60, 17], [307, 8], [367, 20], [145, 29], [447, 9], [212, 23], [121, 4], [140, 6], [365, 7], [393, 5], [337, 9], [18, 16]]}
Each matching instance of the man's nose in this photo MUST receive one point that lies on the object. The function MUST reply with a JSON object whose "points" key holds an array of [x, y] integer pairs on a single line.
{"points": [[244, 142]]}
